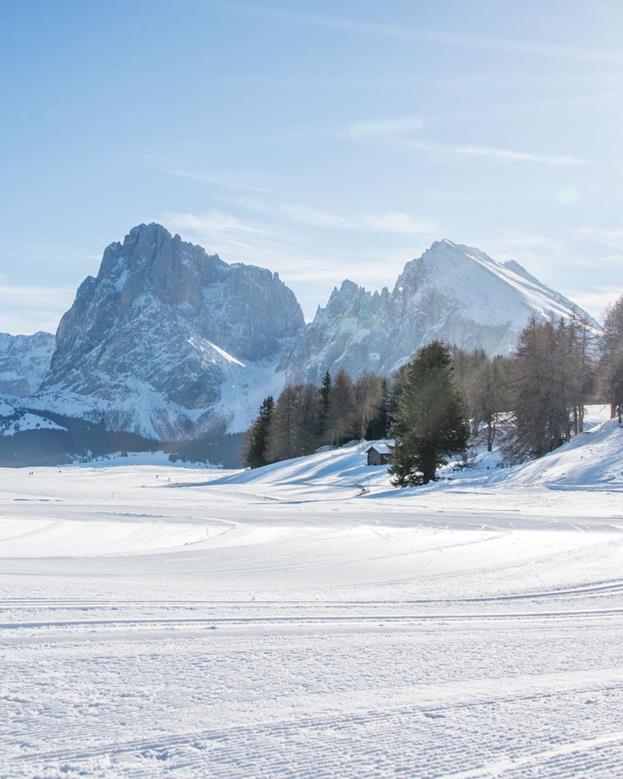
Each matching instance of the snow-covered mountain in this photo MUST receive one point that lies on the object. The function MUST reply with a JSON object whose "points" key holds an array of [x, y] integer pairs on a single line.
{"points": [[452, 292], [24, 361], [170, 342]]}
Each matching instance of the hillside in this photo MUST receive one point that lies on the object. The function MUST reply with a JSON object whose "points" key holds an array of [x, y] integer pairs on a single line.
{"points": [[591, 461]]}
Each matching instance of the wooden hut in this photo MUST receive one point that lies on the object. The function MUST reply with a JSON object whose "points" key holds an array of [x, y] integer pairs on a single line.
{"points": [[378, 454]]}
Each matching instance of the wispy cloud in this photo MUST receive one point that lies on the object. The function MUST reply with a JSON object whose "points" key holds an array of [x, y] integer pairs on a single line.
{"points": [[279, 213], [596, 300], [385, 222], [220, 179], [400, 222], [233, 238], [383, 127], [507, 155], [608, 236], [455, 40], [403, 133], [291, 244], [215, 222], [26, 309], [313, 217]]}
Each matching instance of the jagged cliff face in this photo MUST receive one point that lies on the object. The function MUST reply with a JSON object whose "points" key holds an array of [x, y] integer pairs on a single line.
{"points": [[452, 293], [171, 343], [24, 361], [165, 334]]}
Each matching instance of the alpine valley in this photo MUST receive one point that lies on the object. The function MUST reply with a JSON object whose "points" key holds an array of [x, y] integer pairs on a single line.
{"points": [[170, 347]]}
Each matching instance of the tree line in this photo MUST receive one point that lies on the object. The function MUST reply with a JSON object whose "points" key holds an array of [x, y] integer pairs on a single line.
{"points": [[433, 405], [305, 417]]}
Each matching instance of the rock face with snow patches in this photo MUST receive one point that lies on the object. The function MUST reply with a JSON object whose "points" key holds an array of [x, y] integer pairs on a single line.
{"points": [[453, 293], [166, 335], [24, 361], [172, 343]]}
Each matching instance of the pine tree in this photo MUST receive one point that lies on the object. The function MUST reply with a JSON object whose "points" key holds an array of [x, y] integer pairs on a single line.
{"points": [[580, 371], [307, 419], [256, 440], [430, 422], [326, 389], [551, 379], [532, 394], [341, 427], [611, 363], [368, 391], [378, 426], [281, 439], [294, 429]]}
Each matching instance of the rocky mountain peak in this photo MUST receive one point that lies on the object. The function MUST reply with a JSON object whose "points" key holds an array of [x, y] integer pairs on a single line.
{"points": [[452, 292], [170, 341], [151, 341], [24, 361]]}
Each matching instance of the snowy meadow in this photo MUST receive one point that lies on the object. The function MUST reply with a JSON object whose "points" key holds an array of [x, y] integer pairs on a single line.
{"points": [[306, 619]]}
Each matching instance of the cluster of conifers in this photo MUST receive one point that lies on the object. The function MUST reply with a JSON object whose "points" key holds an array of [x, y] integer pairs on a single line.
{"points": [[434, 404]]}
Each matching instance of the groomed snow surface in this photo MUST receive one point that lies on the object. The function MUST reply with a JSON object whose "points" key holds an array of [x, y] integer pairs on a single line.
{"points": [[308, 620]]}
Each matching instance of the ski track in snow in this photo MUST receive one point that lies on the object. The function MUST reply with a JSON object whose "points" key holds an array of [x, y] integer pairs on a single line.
{"points": [[236, 626]]}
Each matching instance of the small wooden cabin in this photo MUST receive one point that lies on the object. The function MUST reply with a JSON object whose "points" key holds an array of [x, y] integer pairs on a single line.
{"points": [[378, 454]]}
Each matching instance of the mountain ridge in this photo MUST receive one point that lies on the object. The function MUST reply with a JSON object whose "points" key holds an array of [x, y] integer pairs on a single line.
{"points": [[452, 293], [24, 361], [149, 342], [171, 342]]}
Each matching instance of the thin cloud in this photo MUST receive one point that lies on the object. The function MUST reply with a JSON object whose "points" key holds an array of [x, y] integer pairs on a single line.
{"points": [[386, 222], [383, 127], [598, 299], [228, 180], [400, 222], [508, 155], [458, 40], [310, 216], [27, 309], [611, 237], [235, 239], [315, 217], [212, 222]]}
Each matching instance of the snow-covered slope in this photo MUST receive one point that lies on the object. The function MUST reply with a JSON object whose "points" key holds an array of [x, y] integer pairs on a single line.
{"points": [[452, 292], [328, 470], [165, 333], [592, 460], [24, 361], [15, 419]]}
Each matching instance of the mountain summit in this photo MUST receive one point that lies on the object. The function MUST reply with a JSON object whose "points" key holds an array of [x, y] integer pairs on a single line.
{"points": [[453, 293], [165, 332]]}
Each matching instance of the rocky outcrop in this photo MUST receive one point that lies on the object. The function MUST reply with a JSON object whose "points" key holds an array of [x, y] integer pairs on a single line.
{"points": [[161, 340], [453, 293], [24, 361]]}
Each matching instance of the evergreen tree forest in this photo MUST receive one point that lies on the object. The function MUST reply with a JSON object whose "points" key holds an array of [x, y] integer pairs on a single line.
{"points": [[527, 403]]}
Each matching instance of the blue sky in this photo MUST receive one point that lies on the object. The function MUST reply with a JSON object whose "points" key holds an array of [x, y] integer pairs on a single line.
{"points": [[323, 140]]}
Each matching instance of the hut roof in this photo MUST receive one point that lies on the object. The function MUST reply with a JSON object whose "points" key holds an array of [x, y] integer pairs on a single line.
{"points": [[380, 448]]}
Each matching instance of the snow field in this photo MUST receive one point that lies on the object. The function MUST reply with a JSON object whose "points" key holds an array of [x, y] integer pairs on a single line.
{"points": [[172, 622]]}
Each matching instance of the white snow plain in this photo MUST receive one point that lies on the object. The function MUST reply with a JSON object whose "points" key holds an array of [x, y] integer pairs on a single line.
{"points": [[308, 620]]}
